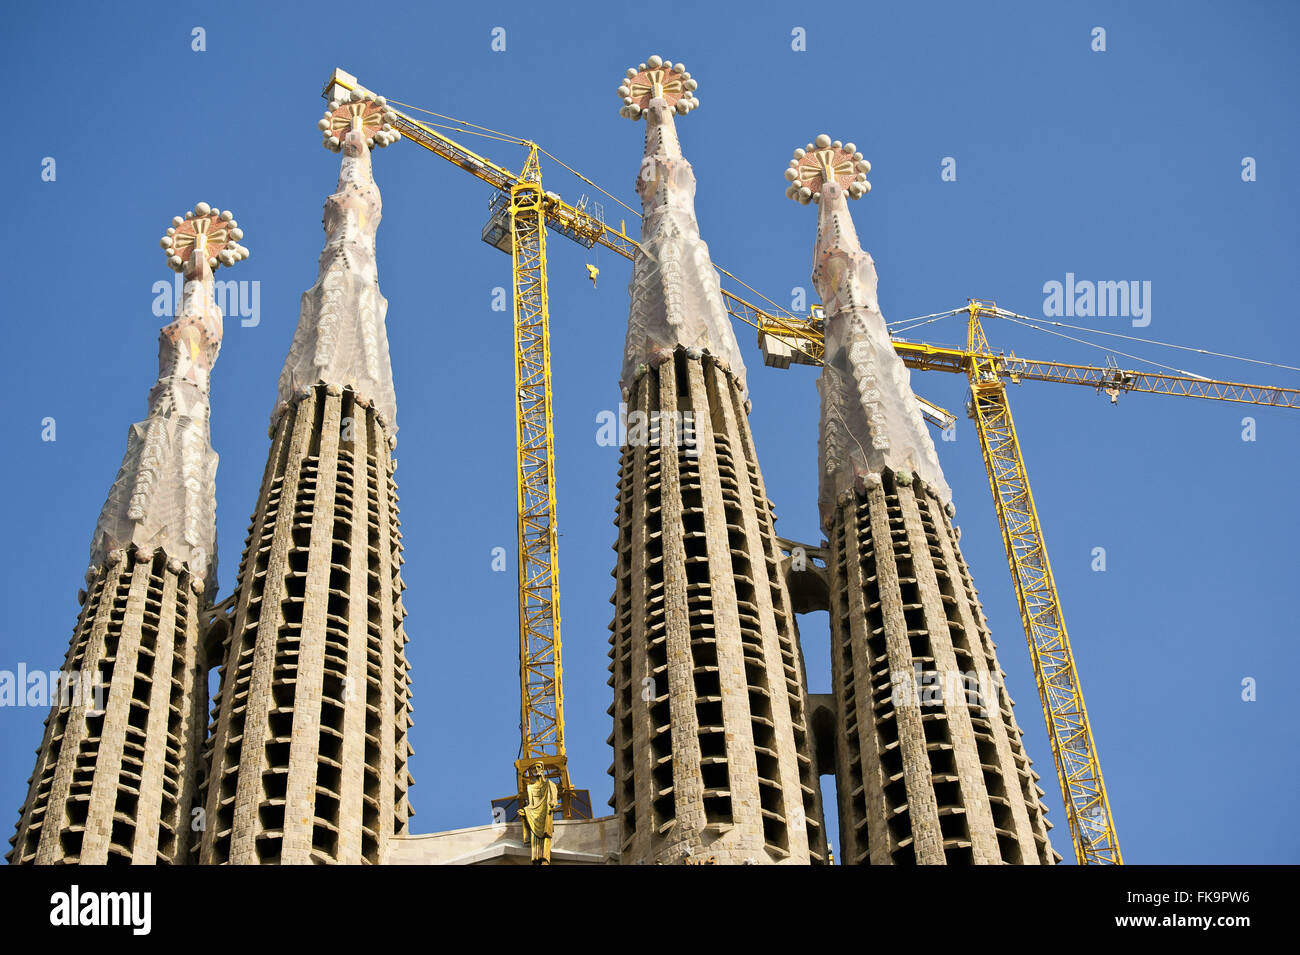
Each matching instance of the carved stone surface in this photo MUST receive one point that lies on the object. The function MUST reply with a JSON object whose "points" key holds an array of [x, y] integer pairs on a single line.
{"points": [[870, 420], [341, 337]]}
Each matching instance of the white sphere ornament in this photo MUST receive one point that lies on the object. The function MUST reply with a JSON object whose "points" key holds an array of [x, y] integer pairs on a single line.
{"points": [[823, 141], [791, 174]]}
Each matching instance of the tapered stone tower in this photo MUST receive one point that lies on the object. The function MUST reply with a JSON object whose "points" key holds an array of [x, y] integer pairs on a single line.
{"points": [[711, 745], [115, 775], [309, 749], [930, 767]]}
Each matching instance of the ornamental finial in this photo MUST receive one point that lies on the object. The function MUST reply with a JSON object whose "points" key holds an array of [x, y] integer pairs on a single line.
{"points": [[359, 110], [825, 161], [203, 235], [657, 78]]}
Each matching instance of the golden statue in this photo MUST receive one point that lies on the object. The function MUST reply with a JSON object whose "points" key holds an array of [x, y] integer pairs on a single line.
{"points": [[538, 812]]}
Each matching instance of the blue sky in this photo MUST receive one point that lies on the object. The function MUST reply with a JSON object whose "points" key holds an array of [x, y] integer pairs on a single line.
{"points": [[1117, 165]]}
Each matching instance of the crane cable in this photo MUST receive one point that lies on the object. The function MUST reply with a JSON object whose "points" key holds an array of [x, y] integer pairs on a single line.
{"points": [[1181, 371], [1146, 341], [903, 325], [488, 133]]}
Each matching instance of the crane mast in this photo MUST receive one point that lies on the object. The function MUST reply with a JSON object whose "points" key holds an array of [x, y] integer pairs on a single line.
{"points": [[1092, 827], [540, 671]]}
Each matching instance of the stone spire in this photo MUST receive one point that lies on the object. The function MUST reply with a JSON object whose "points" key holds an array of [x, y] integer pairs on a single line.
{"points": [[676, 298], [341, 339], [117, 772], [164, 495], [936, 775], [308, 747], [712, 743], [870, 419]]}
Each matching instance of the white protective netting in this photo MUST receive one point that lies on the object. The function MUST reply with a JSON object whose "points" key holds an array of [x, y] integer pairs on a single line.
{"points": [[870, 420], [164, 496], [341, 337], [676, 297]]}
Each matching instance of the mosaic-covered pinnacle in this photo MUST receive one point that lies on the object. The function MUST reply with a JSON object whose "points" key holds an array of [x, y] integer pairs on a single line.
{"points": [[675, 291], [363, 111], [657, 78], [871, 421], [164, 496], [203, 236], [822, 161], [341, 339]]}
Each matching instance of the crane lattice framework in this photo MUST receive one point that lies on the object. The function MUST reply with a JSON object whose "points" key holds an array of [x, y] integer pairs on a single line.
{"points": [[542, 716], [1092, 826], [786, 340], [522, 212]]}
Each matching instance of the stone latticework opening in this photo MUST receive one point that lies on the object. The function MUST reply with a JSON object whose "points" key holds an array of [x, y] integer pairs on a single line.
{"points": [[711, 744], [309, 746], [930, 764], [115, 775]]}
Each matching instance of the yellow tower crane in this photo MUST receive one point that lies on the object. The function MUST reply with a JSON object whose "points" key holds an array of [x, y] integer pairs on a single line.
{"points": [[522, 212], [787, 340]]}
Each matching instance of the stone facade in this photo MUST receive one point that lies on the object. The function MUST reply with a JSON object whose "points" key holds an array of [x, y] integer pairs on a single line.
{"points": [[712, 755], [309, 746], [930, 767], [116, 785]]}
